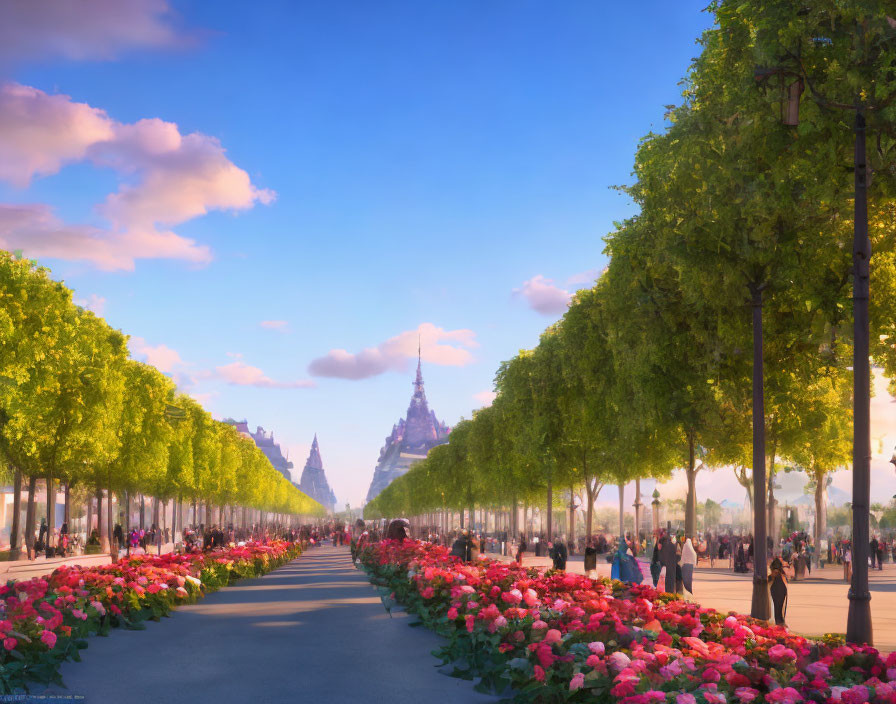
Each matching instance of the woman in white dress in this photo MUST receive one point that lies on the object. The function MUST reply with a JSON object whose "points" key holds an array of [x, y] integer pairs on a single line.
{"points": [[688, 563]]}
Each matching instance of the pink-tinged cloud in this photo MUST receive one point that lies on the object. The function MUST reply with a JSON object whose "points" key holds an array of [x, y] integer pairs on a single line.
{"points": [[33, 228], [242, 374], [161, 357], [40, 133], [543, 296], [94, 303], [167, 179], [279, 325], [79, 30], [586, 278], [485, 398], [439, 346]]}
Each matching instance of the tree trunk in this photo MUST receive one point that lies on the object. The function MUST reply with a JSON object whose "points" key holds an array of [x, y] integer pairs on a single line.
{"points": [[113, 546], [589, 510], [89, 528], [821, 512], [514, 520], [30, 515], [621, 511], [15, 550], [571, 535], [690, 513], [142, 512], [51, 510], [772, 514], [637, 541], [127, 522], [67, 506], [550, 517], [101, 524]]}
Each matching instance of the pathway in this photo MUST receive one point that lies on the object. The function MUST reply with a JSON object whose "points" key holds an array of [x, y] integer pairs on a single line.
{"points": [[313, 631]]}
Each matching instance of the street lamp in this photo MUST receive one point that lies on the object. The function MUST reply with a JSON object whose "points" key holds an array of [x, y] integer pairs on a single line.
{"points": [[858, 625], [656, 511]]}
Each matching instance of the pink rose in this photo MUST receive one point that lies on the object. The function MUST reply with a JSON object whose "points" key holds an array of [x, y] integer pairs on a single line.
{"points": [[685, 698], [577, 681], [539, 673], [597, 647], [48, 638], [746, 694], [619, 660], [553, 636], [452, 613], [10, 643], [539, 624]]}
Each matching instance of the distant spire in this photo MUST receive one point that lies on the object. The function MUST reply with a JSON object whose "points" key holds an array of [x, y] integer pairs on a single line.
{"points": [[418, 384], [314, 442]]}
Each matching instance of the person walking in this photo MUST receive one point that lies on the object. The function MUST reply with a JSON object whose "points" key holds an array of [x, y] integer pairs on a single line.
{"points": [[461, 547], [847, 561], [873, 545], [778, 589], [590, 559], [520, 549], [669, 560], [558, 554], [688, 563]]}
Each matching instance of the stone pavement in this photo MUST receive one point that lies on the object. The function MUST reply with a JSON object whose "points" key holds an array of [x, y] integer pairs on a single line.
{"points": [[313, 631], [816, 605]]}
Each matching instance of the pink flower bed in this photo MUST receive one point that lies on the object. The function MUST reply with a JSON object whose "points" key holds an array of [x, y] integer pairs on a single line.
{"points": [[44, 620], [564, 637]]}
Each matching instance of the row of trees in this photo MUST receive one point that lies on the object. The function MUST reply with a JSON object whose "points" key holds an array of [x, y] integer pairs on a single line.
{"points": [[75, 409], [743, 235]]}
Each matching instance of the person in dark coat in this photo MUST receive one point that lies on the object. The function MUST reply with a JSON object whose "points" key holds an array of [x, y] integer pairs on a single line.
{"points": [[669, 560], [778, 590], [558, 553], [42, 535], [655, 565], [590, 558], [461, 547], [874, 545], [520, 549]]}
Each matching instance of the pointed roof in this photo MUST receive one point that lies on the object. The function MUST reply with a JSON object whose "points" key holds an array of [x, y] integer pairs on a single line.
{"points": [[314, 461]]}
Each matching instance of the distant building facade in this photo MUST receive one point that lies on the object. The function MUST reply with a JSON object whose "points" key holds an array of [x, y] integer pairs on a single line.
{"points": [[265, 442], [410, 441], [314, 480]]}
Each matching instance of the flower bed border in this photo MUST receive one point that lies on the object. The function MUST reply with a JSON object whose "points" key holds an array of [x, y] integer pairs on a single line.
{"points": [[45, 621], [545, 636]]}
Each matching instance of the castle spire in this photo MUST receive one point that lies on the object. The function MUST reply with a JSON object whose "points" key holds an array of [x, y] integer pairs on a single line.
{"points": [[418, 384]]}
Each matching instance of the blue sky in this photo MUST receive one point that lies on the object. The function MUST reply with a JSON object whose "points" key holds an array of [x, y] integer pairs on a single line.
{"points": [[375, 168]]}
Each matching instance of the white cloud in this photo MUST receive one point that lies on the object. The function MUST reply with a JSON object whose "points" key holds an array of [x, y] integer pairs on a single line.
{"points": [[439, 346], [94, 303], [204, 399], [585, 277], [161, 357], [99, 29], [543, 296], [279, 325], [485, 398], [242, 374], [167, 177]]}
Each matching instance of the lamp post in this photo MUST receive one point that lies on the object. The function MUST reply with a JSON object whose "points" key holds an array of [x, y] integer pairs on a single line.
{"points": [[656, 511], [637, 505], [858, 624]]}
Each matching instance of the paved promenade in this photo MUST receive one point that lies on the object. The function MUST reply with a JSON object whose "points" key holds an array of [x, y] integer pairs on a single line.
{"points": [[313, 631], [816, 606]]}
